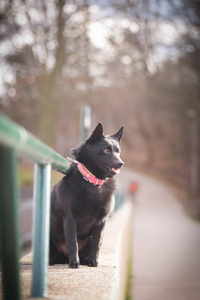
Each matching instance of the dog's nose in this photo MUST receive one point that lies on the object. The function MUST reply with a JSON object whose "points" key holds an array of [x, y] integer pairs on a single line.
{"points": [[121, 164]]}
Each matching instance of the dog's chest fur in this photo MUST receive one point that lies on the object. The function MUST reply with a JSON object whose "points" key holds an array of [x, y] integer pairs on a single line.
{"points": [[89, 205], [93, 208]]}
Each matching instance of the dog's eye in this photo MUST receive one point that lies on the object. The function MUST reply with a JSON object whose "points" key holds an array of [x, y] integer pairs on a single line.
{"points": [[117, 150], [107, 150]]}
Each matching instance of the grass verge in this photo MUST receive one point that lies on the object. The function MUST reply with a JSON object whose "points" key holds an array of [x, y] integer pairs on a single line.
{"points": [[26, 175], [129, 269]]}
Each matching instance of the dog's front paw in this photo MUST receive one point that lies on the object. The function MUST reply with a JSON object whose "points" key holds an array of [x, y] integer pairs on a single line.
{"points": [[93, 263], [74, 264], [84, 261]]}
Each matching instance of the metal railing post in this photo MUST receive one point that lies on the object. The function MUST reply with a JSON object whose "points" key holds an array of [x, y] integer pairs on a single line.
{"points": [[85, 122], [9, 223], [41, 218]]}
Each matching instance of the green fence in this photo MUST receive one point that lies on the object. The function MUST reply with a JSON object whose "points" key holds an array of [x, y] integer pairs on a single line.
{"points": [[16, 141], [119, 200]]}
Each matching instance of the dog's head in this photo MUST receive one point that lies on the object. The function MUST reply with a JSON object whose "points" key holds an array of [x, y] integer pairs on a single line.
{"points": [[101, 154]]}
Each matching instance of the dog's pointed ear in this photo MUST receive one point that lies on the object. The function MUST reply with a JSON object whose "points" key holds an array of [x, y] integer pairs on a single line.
{"points": [[118, 134], [97, 134]]}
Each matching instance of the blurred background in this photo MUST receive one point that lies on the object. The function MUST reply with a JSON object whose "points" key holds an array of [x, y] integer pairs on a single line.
{"points": [[135, 62]]}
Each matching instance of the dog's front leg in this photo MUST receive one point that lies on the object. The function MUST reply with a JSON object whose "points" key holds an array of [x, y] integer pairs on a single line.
{"points": [[95, 245], [71, 241]]}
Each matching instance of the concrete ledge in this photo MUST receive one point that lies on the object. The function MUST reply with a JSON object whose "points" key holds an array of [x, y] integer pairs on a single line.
{"points": [[106, 282]]}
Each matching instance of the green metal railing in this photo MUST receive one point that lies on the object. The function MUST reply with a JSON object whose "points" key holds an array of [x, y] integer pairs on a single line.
{"points": [[9, 233], [119, 200], [15, 141]]}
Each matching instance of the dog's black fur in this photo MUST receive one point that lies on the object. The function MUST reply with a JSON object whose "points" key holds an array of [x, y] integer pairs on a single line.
{"points": [[78, 208]]}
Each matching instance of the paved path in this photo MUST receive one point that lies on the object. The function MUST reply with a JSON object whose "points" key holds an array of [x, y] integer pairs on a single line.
{"points": [[166, 246]]}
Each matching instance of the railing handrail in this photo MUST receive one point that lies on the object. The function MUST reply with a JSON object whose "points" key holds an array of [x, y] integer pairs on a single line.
{"points": [[17, 141], [17, 137]]}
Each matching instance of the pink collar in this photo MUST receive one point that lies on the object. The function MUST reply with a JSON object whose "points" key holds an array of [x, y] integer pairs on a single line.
{"points": [[88, 176]]}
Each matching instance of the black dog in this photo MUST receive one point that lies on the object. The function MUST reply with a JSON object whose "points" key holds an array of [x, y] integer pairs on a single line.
{"points": [[83, 199]]}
